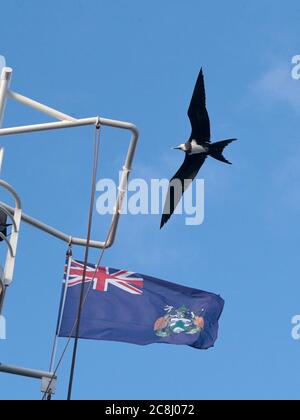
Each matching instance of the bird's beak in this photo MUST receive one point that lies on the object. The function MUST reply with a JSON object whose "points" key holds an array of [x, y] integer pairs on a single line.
{"points": [[177, 148]]}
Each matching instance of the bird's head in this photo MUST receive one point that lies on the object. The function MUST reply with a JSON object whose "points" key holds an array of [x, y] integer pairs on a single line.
{"points": [[181, 147]]}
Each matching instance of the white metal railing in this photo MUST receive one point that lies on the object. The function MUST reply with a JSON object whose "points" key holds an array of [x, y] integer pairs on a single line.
{"points": [[11, 242], [16, 214], [48, 379], [66, 121]]}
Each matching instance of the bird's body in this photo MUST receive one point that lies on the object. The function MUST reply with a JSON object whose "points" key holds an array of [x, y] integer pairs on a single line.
{"points": [[196, 149], [191, 147]]}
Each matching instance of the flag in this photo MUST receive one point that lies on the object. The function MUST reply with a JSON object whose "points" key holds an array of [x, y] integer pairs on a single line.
{"points": [[124, 306]]}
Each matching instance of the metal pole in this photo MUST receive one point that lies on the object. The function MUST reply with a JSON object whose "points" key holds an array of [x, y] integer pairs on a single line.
{"points": [[122, 189], [48, 379], [13, 192], [47, 126], [4, 85], [55, 232], [29, 373], [61, 310], [1, 159], [16, 214], [67, 124], [40, 107], [70, 122], [66, 121]]}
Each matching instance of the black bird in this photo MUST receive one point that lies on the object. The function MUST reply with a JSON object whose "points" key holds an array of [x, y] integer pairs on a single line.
{"points": [[3, 224], [196, 149]]}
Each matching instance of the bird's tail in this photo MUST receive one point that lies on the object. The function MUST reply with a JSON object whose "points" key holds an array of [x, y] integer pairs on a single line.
{"points": [[217, 149]]}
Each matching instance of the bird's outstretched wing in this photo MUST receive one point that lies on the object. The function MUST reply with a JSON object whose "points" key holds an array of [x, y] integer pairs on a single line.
{"points": [[198, 114], [180, 182]]}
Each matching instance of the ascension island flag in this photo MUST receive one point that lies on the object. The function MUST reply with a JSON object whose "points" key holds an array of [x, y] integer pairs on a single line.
{"points": [[124, 306]]}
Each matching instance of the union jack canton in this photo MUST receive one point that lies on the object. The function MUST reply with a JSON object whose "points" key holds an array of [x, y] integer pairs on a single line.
{"points": [[103, 277]]}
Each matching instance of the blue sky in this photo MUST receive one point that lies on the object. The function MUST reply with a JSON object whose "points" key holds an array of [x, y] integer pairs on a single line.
{"points": [[138, 61]]}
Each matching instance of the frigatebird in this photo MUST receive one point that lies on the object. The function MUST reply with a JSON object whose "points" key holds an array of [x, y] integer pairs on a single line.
{"points": [[196, 149]]}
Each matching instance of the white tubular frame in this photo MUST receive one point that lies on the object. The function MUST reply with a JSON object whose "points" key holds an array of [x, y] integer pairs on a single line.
{"points": [[48, 379], [15, 216], [66, 121], [5, 78], [16, 212]]}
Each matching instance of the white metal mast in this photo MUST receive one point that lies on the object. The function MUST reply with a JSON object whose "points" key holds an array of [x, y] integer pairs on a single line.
{"points": [[16, 214]]}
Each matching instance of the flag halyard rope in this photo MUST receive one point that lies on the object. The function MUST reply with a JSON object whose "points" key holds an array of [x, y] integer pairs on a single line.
{"points": [[83, 297]]}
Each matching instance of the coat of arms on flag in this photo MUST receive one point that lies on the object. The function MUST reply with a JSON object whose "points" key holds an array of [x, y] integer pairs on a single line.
{"points": [[178, 321]]}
